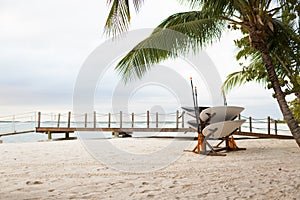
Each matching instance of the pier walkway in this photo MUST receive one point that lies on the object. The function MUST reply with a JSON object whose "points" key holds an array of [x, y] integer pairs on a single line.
{"points": [[121, 123]]}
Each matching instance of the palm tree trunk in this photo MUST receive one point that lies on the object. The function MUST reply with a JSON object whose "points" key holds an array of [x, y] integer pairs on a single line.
{"points": [[287, 114], [298, 96]]}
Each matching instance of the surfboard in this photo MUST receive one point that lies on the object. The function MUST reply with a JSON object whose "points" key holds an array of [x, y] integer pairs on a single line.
{"points": [[221, 129], [220, 113], [193, 123], [191, 110]]}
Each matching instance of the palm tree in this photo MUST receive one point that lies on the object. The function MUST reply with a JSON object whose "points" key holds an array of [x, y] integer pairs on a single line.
{"points": [[286, 62], [258, 19]]}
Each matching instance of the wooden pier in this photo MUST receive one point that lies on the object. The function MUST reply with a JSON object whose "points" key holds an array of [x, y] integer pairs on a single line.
{"points": [[178, 120], [150, 122], [263, 135]]}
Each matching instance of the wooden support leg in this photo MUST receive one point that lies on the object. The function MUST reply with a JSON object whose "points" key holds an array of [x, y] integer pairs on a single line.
{"points": [[49, 135], [231, 145], [67, 136], [203, 144]]}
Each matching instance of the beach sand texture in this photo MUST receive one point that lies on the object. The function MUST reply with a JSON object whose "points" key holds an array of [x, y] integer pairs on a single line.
{"points": [[268, 169]]}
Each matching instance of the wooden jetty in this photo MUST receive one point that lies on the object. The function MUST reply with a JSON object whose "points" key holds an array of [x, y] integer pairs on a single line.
{"points": [[16, 132], [151, 125], [179, 119]]}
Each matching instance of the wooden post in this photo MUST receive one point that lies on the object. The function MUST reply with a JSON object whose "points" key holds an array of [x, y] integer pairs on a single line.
{"points": [[67, 135], [275, 123], [39, 120], [95, 120], [120, 119], [240, 128], [156, 119], [132, 120], [269, 125], [177, 118], [85, 120], [69, 119], [58, 120], [49, 135], [148, 119], [182, 119], [109, 120], [250, 124]]}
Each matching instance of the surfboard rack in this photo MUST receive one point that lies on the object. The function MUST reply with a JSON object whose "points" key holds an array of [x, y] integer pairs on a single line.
{"points": [[216, 123], [230, 145]]}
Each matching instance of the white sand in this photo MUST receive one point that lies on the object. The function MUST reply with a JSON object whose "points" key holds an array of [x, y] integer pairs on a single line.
{"points": [[268, 169]]}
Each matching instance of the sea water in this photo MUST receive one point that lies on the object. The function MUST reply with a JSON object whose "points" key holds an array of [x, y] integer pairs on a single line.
{"points": [[33, 136]]}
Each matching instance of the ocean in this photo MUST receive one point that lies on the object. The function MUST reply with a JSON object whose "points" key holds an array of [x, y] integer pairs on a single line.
{"points": [[28, 121]]}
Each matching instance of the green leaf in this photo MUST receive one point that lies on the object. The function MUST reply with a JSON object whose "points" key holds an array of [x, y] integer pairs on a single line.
{"points": [[175, 36]]}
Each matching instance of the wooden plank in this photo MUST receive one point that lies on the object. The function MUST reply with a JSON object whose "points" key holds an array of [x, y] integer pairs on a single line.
{"points": [[85, 120], [156, 120], [109, 118], [65, 130], [263, 135], [127, 130], [95, 119], [250, 124], [39, 119], [69, 119], [49, 135], [275, 124], [148, 119], [58, 120], [182, 120], [177, 118], [121, 119], [16, 133], [240, 128], [132, 120], [269, 125]]}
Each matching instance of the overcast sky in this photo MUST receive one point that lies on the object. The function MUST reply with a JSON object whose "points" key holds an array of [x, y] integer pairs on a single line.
{"points": [[44, 43]]}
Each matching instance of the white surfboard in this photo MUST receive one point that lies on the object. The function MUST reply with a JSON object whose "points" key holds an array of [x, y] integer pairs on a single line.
{"points": [[191, 110], [221, 129], [193, 124], [220, 113]]}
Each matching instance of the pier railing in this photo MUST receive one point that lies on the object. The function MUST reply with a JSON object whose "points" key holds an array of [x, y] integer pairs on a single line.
{"points": [[266, 125], [121, 121], [112, 120], [21, 123]]}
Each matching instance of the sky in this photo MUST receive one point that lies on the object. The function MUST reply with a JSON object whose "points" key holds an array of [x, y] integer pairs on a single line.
{"points": [[44, 44]]}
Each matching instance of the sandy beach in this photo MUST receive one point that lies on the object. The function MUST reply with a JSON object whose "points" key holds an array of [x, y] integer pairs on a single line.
{"points": [[268, 169]]}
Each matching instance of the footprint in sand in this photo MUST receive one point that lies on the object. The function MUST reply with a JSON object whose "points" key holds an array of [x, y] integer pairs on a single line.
{"points": [[33, 182]]}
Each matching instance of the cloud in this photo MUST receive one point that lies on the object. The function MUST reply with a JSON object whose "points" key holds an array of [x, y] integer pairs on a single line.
{"points": [[43, 44]]}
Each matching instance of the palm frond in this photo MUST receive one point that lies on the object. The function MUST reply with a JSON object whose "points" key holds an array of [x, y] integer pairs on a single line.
{"points": [[285, 42], [175, 36], [255, 71], [118, 19], [138, 4], [233, 80], [215, 7]]}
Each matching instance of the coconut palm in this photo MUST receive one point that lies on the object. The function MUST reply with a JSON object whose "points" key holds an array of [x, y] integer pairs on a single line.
{"points": [[258, 19], [286, 62], [119, 16]]}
